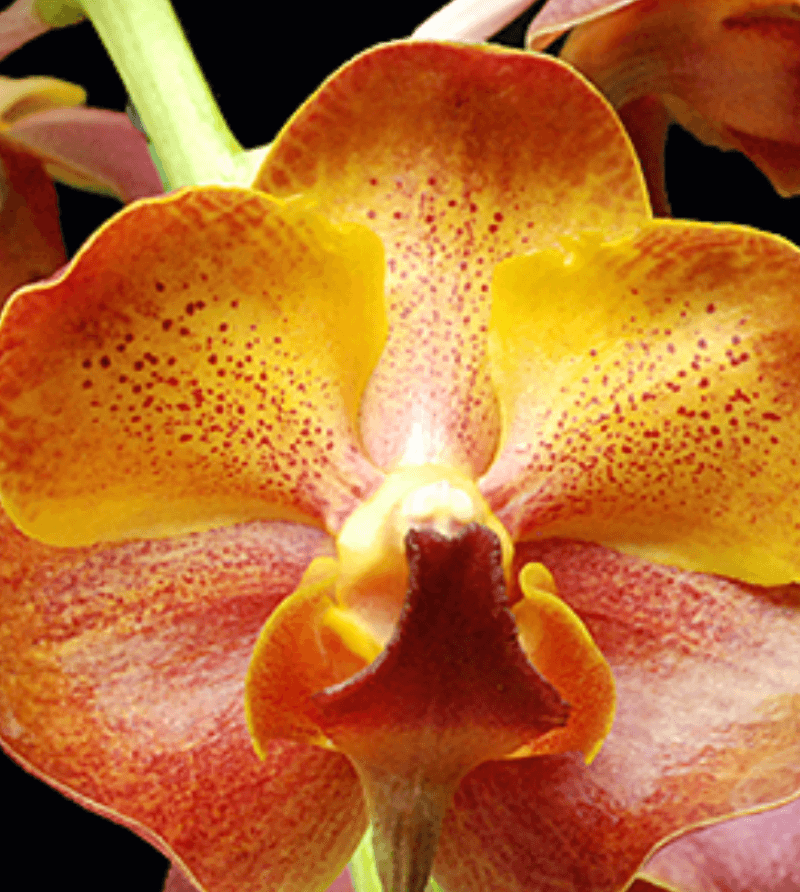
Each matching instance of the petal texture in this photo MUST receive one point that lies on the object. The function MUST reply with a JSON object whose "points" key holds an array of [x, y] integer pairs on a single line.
{"points": [[650, 396], [444, 153], [192, 369], [708, 724], [121, 683]]}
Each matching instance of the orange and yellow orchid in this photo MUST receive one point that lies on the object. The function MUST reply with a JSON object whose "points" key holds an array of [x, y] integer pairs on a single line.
{"points": [[440, 452]]}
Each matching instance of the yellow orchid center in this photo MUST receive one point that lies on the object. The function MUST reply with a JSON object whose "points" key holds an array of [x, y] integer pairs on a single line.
{"points": [[373, 569]]}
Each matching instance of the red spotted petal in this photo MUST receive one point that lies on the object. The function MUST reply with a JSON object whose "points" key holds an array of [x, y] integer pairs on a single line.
{"points": [[650, 396], [707, 724], [121, 683], [443, 151], [192, 368]]}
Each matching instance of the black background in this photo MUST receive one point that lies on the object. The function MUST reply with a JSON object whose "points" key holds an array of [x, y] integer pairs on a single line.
{"points": [[262, 60]]}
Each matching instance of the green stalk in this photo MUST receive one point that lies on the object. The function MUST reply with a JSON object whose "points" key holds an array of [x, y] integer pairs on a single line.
{"points": [[186, 128]]}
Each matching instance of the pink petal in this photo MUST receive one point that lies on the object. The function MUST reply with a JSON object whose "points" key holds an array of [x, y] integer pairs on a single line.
{"points": [[756, 852], [470, 20], [30, 237], [19, 24], [559, 16], [91, 147]]}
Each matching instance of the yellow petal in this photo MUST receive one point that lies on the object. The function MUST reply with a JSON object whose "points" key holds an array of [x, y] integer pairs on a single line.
{"points": [[20, 97], [650, 398], [560, 647], [200, 363]]}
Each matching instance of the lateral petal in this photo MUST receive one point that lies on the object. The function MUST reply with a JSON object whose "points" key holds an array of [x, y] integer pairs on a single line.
{"points": [[649, 394], [19, 24], [440, 150], [707, 725], [200, 363], [121, 684]]}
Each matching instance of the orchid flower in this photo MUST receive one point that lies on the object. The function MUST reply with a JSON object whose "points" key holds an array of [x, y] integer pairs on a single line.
{"points": [[408, 470], [46, 133], [414, 445], [723, 69]]}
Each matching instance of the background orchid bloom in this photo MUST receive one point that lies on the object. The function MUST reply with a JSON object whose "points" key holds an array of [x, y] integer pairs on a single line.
{"points": [[723, 69], [47, 133], [514, 352]]}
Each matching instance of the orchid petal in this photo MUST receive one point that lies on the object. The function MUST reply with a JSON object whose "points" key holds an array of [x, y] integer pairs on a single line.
{"points": [[649, 391], [343, 883], [469, 20], [725, 69], [760, 851], [20, 97], [191, 369], [121, 683], [19, 24], [91, 148], [30, 237], [647, 122], [779, 161], [441, 150], [707, 725], [558, 16]]}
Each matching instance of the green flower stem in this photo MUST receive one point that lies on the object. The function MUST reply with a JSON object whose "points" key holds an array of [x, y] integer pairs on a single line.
{"points": [[364, 871], [146, 43]]}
